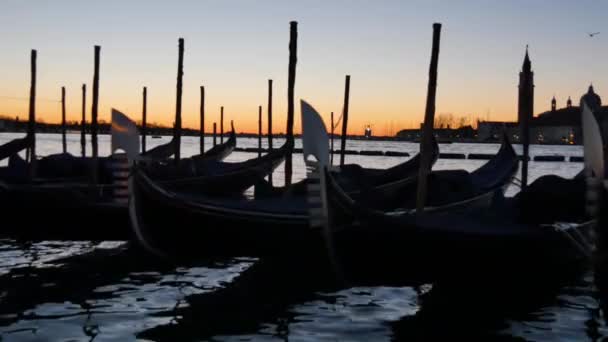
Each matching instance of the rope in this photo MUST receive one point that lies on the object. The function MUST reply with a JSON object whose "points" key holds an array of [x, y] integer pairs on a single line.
{"points": [[565, 229], [336, 124]]}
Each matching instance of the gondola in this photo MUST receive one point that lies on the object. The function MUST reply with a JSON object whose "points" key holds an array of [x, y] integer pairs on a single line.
{"points": [[170, 223], [462, 238], [220, 151], [67, 203], [215, 177], [59, 202], [14, 146], [190, 172], [381, 184], [62, 211], [65, 166], [16, 170], [68, 166]]}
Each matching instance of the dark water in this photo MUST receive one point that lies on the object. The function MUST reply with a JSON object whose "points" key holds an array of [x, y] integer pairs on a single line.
{"points": [[64, 291]]}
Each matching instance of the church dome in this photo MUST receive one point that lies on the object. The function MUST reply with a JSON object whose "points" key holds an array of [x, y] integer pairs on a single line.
{"points": [[592, 99]]}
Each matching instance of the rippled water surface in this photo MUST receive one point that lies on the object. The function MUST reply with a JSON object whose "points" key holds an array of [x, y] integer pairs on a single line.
{"points": [[78, 291]]}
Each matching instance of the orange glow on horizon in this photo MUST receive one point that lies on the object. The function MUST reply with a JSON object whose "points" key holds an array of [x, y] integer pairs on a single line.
{"points": [[384, 118]]}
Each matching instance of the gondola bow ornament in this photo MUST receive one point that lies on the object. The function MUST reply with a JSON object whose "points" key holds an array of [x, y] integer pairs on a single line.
{"points": [[315, 142], [594, 160], [125, 135], [592, 141]]}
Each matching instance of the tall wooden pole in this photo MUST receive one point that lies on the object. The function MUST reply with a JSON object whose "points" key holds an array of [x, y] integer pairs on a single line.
{"points": [[94, 107], [331, 149], [214, 134], [344, 119], [429, 117], [259, 131], [31, 125], [83, 122], [222, 125], [64, 142], [202, 122], [178, 101], [144, 120], [291, 81], [270, 123]]}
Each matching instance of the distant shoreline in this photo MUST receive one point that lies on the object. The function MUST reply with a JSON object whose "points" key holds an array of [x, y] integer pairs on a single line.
{"points": [[193, 133]]}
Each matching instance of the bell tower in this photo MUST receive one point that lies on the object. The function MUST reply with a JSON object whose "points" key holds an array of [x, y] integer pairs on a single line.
{"points": [[525, 113]]}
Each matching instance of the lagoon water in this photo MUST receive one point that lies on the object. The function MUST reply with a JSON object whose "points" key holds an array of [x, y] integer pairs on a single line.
{"points": [[111, 293]]}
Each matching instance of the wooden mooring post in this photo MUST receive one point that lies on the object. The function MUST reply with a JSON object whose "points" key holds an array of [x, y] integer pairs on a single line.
{"points": [[31, 125], [64, 142], [259, 131], [144, 120], [221, 124], [177, 133], [291, 81], [269, 124], [95, 106], [344, 119], [429, 117], [331, 148], [83, 123], [202, 122], [214, 134]]}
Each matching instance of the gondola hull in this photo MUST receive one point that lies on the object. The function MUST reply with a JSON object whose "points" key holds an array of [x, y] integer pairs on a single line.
{"points": [[183, 228], [221, 151], [173, 222], [382, 184], [63, 205], [481, 234], [69, 209], [385, 252], [366, 244], [392, 254], [61, 212], [218, 152], [217, 178]]}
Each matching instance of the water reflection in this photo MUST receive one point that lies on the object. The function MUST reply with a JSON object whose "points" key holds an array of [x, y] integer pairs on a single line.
{"points": [[116, 294], [110, 292]]}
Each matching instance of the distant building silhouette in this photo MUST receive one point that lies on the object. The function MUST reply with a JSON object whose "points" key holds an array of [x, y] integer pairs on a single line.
{"points": [[593, 100], [526, 91], [554, 126]]}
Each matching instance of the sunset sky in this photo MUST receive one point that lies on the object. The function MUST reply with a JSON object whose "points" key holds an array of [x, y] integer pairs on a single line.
{"points": [[233, 47]]}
